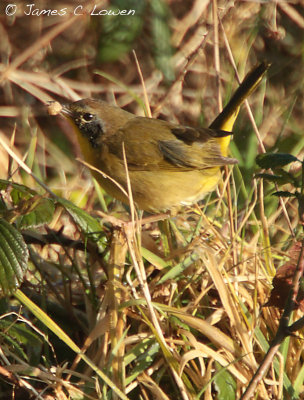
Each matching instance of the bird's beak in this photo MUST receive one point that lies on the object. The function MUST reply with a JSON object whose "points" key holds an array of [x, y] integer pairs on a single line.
{"points": [[66, 112]]}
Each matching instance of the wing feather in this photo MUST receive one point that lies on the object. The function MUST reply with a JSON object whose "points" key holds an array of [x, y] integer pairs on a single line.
{"points": [[167, 146]]}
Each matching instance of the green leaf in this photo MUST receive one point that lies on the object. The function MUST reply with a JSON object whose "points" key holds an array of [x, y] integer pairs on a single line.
{"points": [[142, 355], [298, 382], [284, 193], [275, 160], [13, 257], [18, 192], [175, 272], [18, 334], [153, 258], [21, 332], [280, 180], [224, 384], [48, 322], [31, 209], [89, 226], [3, 206], [13, 345], [41, 212]]}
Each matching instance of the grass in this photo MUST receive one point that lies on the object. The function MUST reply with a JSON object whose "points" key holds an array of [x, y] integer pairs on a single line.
{"points": [[175, 309]]}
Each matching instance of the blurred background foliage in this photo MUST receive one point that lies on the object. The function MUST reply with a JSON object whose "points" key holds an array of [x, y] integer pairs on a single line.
{"points": [[164, 36], [67, 57]]}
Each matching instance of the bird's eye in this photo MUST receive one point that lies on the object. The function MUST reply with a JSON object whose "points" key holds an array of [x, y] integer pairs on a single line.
{"points": [[87, 117]]}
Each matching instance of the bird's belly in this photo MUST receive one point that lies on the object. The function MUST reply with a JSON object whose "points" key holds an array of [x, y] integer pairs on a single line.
{"points": [[163, 190], [156, 191]]}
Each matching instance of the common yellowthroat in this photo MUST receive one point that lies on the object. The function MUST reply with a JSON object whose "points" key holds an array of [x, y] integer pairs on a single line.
{"points": [[168, 164]]}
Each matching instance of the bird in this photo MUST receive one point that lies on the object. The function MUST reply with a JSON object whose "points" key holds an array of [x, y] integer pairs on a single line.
{"points": [[168, 165]]}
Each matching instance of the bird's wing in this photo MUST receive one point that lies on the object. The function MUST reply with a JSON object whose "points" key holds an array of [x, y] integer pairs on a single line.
{"points": [[151, 144]]}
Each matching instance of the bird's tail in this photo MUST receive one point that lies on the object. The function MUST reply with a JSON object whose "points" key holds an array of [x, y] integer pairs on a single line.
{"points": [[225, 120]]}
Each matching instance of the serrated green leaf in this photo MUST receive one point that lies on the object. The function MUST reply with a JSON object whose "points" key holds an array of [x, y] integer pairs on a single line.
{"points": [[13, 257], [274, 160], [89, 226]]}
